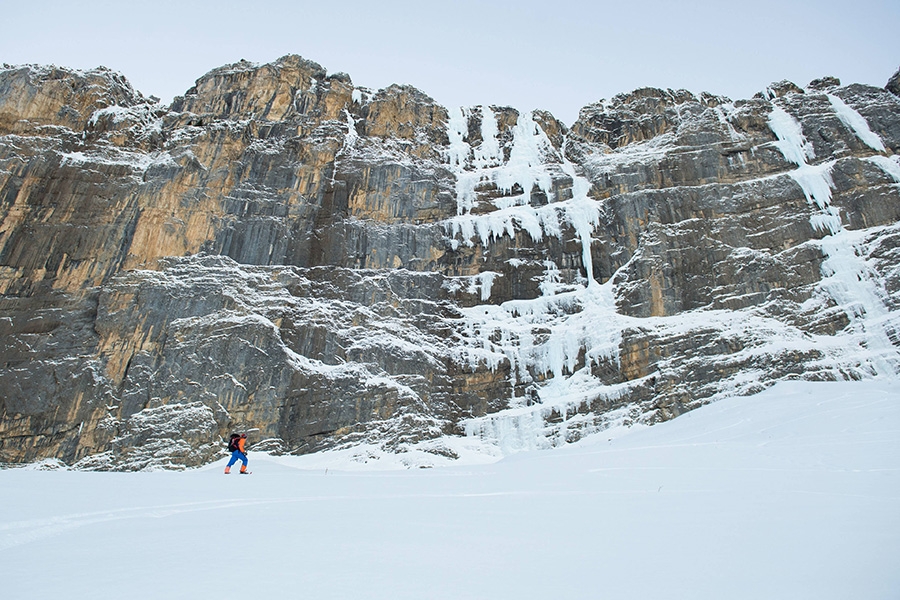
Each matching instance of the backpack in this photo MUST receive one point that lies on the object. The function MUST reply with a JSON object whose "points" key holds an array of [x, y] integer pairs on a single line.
{"points": [[233, 442]]}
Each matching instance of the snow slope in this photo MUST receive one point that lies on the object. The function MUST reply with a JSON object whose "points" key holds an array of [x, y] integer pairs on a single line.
{"points": [[793, 493]]}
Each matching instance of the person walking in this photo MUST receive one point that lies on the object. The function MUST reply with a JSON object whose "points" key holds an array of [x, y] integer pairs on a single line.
{"points": [[238, 453]]}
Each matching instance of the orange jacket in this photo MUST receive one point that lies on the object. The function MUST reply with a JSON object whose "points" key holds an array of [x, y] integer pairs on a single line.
{"points": [[241, 443]]}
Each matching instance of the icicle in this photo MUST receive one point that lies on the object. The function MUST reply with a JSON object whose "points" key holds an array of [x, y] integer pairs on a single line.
{"points": [[582, 213], [351, 136], [457, 127]]}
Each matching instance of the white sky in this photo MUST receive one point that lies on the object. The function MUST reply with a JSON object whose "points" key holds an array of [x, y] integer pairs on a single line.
{"points": [[557, 55]]}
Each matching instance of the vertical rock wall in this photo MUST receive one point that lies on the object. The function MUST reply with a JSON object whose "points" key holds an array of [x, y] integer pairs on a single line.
{"points": [[282, 251]]}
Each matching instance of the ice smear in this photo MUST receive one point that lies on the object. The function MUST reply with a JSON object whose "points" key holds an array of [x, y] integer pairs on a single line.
{"points": [[457, 128], [722, 111], [563, 333], [523, 171], [531, 159], [890, 165], [563, 336], [351, 136], [816, 183], [350, 139], [485, 280], [847, 278], [138, 161], [488, 153], [855, 122], [525, 167], [814, 180], [552, 342], [856, 287], [582, 213], [791, 141], [117, 113]]}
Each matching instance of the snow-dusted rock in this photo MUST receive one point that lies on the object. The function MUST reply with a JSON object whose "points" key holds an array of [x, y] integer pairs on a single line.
{"points": [[283, 252]]}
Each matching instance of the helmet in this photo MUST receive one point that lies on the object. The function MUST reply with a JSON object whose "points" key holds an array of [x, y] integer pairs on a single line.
{"points": [[243, 435]]}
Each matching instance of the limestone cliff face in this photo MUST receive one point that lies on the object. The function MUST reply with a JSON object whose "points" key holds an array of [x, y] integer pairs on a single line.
{"points": [[280, 250]]}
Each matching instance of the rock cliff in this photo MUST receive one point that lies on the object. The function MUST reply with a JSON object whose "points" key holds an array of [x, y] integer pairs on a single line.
{"points": [[284, 252]]}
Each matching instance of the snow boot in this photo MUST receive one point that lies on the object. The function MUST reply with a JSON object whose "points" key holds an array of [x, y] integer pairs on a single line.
{"points": [[227, 470], [243, 469]]}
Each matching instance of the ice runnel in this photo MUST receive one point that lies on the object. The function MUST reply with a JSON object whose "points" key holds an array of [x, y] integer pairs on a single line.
{"points": [[890, 165], [532, 163], [855, 122], [847, 278], [550, 342], [582, 213], [791, 141], [814, 180]]}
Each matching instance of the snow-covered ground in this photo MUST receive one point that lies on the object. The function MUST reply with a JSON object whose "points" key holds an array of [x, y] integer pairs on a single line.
{"points": [[793, 493]]}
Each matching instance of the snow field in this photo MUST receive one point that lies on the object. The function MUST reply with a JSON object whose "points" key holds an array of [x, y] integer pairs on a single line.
{"points": [[792, 493], [789, 494]]}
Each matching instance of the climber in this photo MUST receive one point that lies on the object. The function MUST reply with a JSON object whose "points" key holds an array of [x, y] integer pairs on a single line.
{"points": [[238, 452]]}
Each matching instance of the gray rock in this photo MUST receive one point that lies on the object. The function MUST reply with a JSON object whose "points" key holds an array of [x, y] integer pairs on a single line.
{"points": [[283, 253]]}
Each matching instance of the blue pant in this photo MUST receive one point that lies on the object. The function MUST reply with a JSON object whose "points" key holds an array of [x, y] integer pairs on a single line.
{"points": [[237, 455]]}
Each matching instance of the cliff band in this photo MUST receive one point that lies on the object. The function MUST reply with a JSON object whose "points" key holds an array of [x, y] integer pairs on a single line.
{"points": [[282, 251]]}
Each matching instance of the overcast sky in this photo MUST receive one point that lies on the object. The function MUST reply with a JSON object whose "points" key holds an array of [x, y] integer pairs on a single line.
{"points": [[554, 54]]}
